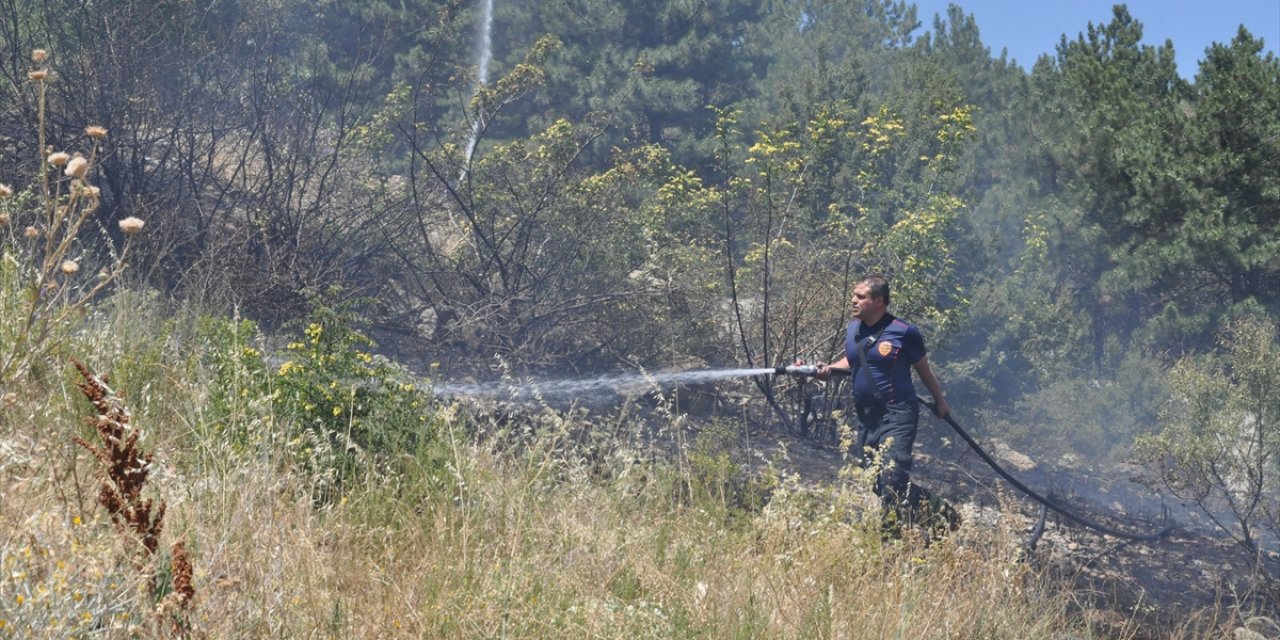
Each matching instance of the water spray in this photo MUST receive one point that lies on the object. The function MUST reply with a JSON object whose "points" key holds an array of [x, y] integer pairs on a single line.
{"points": [[643, 382], [625, 383], [574, 389]]}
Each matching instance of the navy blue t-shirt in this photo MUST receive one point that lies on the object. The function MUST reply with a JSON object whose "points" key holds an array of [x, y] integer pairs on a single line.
{"points": [[889, 359]]}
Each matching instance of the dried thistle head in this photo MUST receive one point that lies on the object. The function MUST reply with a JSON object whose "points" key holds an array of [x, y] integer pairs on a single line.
{"points": [[69, 267], [76, 167], [38, 56], [5, 191], [95, 131], [37, 75], [4, 219], [59, 158], [90, 191], [131, 225], [31, 233]]}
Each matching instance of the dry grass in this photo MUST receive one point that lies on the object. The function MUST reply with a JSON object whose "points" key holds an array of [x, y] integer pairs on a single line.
{"points": [[517, 533], [514, 555], [492, 544]]}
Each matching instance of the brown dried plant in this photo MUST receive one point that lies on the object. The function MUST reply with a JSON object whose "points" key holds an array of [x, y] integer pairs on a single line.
{"points": [[126, 466], [139, 520], [184, 586], [172, 612]]}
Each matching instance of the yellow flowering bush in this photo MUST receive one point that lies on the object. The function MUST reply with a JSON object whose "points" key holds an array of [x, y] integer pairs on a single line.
{"points": [[354, 412]]}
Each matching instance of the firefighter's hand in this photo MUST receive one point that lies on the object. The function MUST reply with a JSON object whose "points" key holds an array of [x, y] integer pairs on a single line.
{"points": [[941, 408], [824, 371]]}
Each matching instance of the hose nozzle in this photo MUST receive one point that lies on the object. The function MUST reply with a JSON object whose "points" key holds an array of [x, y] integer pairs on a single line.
{"points": [[798, 370]]}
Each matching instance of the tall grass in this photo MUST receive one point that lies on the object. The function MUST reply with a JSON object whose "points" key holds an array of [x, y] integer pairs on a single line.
{"points": [[532, 527]]}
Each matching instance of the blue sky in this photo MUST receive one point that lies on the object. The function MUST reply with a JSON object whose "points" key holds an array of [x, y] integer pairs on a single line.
{"points": [[1028, 29]]}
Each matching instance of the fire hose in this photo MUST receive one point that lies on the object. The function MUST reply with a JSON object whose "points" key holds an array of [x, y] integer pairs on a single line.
{"points": [[1046, 504]]}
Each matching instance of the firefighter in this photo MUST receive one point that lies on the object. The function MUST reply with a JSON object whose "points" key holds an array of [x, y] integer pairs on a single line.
{"points": [[881, 350]]}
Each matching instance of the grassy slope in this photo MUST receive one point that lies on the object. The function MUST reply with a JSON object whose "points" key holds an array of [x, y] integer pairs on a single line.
{"points": [[520, 533]]}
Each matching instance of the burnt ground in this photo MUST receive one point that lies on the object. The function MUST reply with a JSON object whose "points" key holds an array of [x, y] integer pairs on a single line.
{"points": [[1195, 577]]}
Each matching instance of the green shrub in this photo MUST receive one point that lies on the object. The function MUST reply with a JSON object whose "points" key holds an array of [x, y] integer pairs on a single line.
{"points": [[353, 411], [238, 404], [718, 478], [1219, 440]]}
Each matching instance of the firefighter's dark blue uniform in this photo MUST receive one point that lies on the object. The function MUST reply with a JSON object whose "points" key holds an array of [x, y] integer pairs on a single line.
{"points": [[886, 404]]}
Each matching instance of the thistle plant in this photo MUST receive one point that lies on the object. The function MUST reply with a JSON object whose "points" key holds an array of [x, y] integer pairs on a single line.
{"points": [[43, 280]]}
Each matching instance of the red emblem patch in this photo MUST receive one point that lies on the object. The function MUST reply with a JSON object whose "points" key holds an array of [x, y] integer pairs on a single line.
{"points": [[885, 348]]}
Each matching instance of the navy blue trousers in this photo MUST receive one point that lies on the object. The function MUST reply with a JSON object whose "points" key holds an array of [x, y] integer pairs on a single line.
{"points": [[892, 426]]}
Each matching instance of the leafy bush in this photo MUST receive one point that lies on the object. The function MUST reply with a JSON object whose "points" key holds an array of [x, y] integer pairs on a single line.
{"points": [[718, 479], [239, 386], [1220, 440], [353, 411]]}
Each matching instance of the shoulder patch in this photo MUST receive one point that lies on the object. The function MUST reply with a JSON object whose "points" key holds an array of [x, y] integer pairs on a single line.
{"points": [[885, 348]]}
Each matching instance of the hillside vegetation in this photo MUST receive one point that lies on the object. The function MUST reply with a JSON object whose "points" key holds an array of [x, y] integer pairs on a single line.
{"points": [[552, 525], [241, 243]]}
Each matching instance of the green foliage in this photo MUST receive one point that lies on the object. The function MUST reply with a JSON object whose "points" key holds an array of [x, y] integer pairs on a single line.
{"points": [[649, 68], [352, 412], [797, 256], [719, 480], [1219, 441], [827, 51], [1084, 420], [238, 405], [1210, 214], [1108, 106], [540, 257]]}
